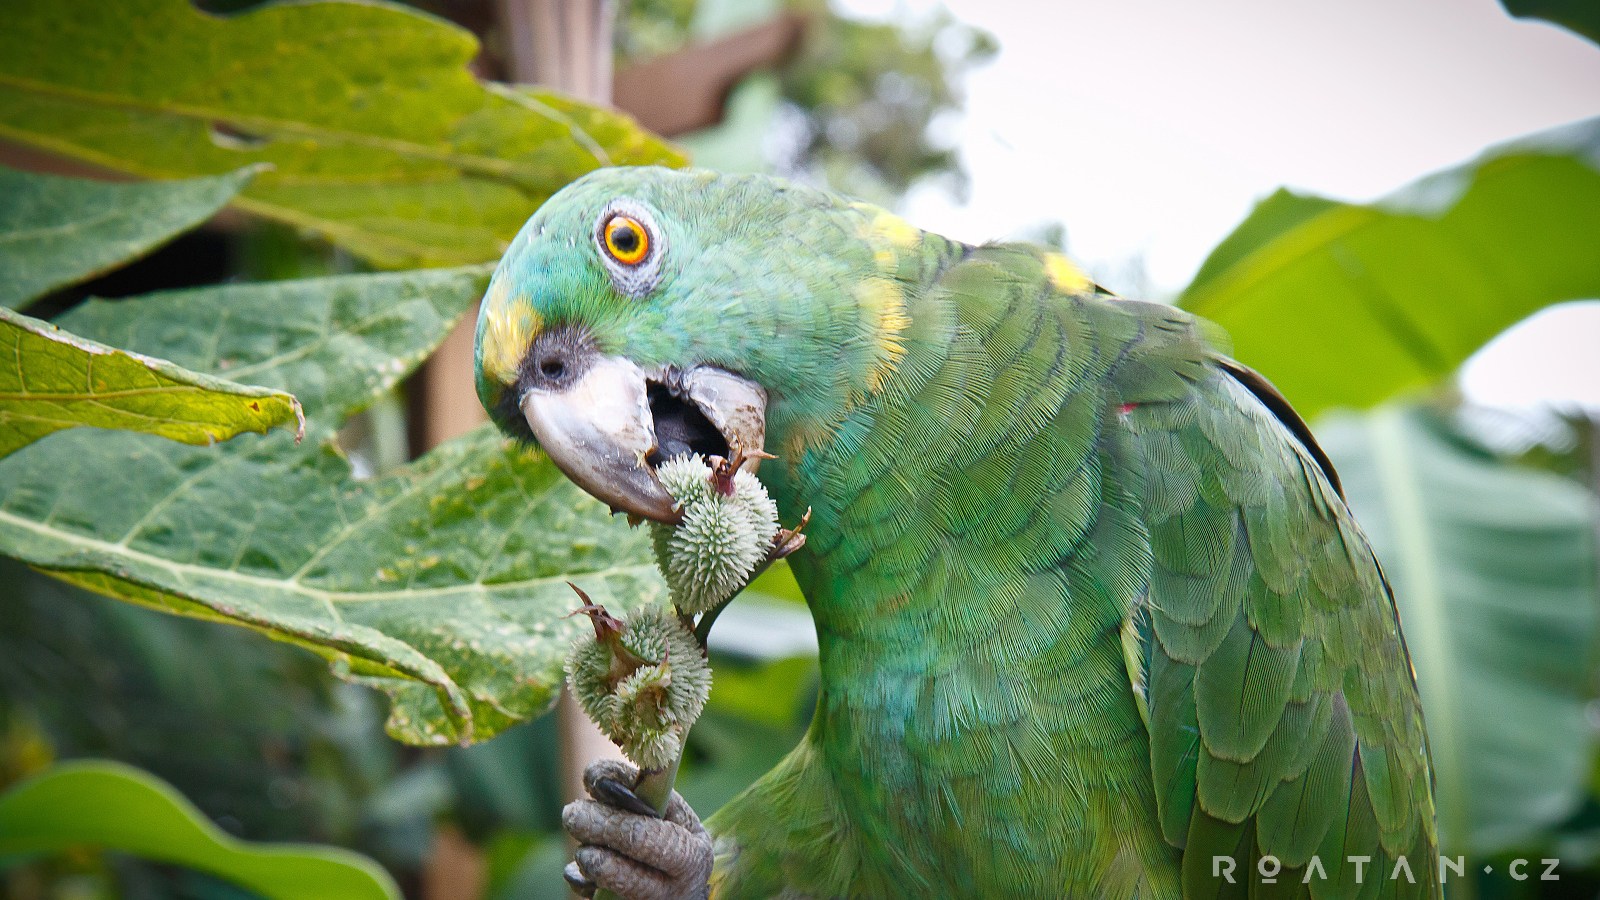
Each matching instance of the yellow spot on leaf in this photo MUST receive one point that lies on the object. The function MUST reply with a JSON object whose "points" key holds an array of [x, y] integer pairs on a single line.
{"points": [[1064, 276]]}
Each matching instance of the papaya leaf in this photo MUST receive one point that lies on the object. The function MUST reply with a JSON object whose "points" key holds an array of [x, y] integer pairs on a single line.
{"points": [[443, 584], [1494, 573], [60, 380], [59, 231], [379, 137], [111, 806], [336, 342], [1349, 304]]}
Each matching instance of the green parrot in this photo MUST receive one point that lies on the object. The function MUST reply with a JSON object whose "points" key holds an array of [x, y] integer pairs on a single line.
{"points": [[1093, 619]]}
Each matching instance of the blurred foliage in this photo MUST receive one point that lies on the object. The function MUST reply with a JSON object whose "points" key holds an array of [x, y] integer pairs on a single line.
{"points": [[649, 28], [866, 94], [1573, 451], [114, 806], [85, 677], [862, 103], [1581, 16], [252, 731], [1407, 288]]}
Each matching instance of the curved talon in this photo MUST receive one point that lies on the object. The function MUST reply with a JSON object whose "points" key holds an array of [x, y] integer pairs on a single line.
{"points": [[580, 885], [612, 792]]}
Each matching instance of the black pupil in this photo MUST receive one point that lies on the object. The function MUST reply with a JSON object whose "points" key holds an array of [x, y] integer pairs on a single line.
{"points": [[625, 238]]}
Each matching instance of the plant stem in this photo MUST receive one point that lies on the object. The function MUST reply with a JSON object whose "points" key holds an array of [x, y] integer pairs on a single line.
{"points": [[703, 630], [655, 788], [655, 785]]}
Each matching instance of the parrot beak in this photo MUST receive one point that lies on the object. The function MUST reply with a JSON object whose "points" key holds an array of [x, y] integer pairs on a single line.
{"points": [[610, 428]]}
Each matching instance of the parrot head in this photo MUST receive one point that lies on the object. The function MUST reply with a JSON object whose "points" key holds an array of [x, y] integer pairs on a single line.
{"points": [[646, 313]]}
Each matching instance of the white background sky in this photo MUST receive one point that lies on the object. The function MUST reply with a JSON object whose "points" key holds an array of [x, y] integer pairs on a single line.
{"points": [[1150, 127]]}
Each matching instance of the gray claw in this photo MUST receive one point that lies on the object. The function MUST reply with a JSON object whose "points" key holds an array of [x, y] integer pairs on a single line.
{"points": [[612, 792], [580, 885]]}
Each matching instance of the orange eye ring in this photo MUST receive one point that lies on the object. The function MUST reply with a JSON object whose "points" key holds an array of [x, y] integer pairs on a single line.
{"points": [[627, 240]]}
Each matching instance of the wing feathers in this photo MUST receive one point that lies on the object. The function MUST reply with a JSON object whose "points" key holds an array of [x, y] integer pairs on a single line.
{"points": [[1283, 718]]}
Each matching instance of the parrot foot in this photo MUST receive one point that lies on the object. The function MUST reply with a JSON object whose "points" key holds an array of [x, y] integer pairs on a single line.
{"points": [[627, 848]]}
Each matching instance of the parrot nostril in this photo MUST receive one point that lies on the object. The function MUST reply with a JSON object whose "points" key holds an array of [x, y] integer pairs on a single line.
{"points": [[556, 361]]}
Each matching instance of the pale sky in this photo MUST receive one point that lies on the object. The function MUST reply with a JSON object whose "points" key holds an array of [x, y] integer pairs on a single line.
{"points": [[1150, 127]]}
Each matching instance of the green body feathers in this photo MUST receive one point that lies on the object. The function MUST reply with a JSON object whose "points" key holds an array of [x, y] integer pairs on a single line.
{"points": [[1093, 620]]}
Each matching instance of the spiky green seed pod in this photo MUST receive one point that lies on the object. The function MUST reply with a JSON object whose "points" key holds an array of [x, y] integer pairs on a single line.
{"points": [[710, 555], [643, 684]]}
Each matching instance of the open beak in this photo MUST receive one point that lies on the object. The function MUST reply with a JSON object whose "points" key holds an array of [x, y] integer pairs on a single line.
{"points": [[612, 426]]}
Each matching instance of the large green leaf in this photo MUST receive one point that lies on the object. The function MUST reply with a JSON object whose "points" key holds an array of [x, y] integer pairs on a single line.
{"points": [[59, 380], [380, 138], [443, 584], [111, 806], [59, 231], [1494, 572], [1346, 304]]}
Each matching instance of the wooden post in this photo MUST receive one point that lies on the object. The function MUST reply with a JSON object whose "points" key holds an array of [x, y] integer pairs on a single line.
{"points": [[566, 45], [561, 44]]}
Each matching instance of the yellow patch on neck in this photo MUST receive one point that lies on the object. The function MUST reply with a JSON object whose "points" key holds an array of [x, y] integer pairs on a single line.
{"points": [[883, 308], [1064, 276], [509, 330], [887, 233]]}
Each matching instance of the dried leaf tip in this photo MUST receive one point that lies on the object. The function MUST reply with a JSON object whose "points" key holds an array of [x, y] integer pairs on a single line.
{"points": [[724, 470], [607, 628]]}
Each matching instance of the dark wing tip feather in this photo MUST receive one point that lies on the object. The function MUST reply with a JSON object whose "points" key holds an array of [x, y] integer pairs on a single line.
{"points": [[1278, 405]]}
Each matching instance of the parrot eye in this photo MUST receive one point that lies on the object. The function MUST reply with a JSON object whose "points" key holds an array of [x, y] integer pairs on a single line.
{"points": [[631, 246], [626, 240]]}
